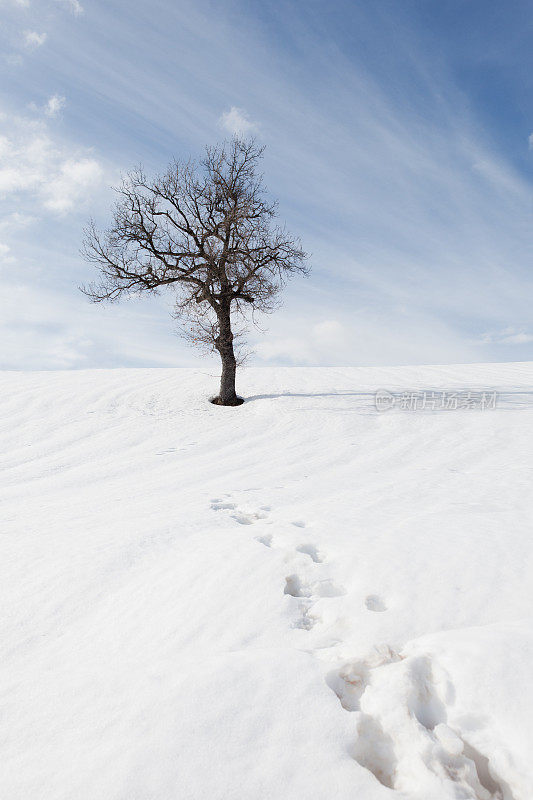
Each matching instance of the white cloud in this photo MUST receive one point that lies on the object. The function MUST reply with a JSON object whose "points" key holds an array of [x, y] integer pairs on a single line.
{"points": [[42, 327], [25, 166], [237, 122], [5, 146], [34, 39], [49, 176], [509, 335], [330, 332], [54, 105], [320, 339], [530, 141], [365, 337], [6, 258], [74, 5], [15, 221], [518, 338], [74, 179]]}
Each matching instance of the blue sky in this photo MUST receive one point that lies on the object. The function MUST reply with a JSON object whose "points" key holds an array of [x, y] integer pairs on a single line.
{"points": [[399, 143]]}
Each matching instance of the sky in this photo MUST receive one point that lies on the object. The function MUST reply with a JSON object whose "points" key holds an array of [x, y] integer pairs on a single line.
{"points": [[399, 143]]}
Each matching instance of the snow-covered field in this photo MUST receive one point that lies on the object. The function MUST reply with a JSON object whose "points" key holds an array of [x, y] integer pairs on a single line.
{"points": [[297, 598]]}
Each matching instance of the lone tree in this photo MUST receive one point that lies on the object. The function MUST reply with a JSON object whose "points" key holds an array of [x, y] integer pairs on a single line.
{"points": [[208, 231]]}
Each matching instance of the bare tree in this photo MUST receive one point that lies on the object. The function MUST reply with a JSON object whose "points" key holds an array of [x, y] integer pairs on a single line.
{"points": [[208, 231]]}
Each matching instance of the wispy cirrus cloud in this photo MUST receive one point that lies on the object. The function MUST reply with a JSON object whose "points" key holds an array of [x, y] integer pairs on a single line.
{"points": [[73, 5], [418, 218]]}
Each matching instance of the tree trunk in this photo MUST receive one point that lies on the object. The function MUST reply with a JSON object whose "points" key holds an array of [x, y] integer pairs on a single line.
{"points": [[224, 344]]}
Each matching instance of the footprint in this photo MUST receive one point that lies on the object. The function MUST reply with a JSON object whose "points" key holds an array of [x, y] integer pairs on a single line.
{"points": [[486, 775], [374, 603], [299, 524], [463, 764], [295, 588], [349, 683], [266, 540], [374, 750], [351, 679], [247, 519], [424, 701], [311, 551], [243, 518], [323, 588], [307, 620]]}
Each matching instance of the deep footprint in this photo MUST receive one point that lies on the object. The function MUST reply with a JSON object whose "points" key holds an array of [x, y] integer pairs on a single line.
{"points": [[311, 551], [324, 588], [351, 679], [295, 588], [374, 750], [349, 684], [374, 603]]}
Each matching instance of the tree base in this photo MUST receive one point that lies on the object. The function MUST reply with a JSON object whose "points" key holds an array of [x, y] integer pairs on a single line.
{"points": [[234, 401]]}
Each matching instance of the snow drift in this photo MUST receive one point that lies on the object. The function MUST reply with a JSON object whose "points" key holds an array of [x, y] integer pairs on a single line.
{"points": [[300, 597]]}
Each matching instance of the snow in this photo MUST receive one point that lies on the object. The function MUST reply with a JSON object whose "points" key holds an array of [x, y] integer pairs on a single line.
{"points": [[299, 597]]}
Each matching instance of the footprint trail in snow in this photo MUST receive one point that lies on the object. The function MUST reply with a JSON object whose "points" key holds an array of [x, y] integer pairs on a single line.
{"points": [[397, 702]]}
